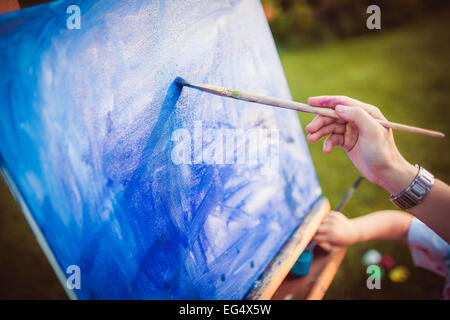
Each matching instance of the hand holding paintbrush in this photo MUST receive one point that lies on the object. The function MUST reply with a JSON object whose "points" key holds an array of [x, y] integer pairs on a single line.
{"points": [[369, 145]]}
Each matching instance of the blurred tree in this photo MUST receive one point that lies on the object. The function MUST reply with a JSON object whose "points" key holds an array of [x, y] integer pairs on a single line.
{"points": [[312, 21]]}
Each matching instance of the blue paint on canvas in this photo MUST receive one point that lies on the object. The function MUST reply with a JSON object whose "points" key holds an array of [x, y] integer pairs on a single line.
{"points": [[92, 124]]}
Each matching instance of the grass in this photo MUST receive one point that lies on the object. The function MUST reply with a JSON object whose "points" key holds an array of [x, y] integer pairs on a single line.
{"points": [[406, 73]]}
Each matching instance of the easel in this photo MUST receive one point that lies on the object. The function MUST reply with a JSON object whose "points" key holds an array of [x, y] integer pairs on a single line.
{"points": [[276, 282], [314, 285], [9, 5]]}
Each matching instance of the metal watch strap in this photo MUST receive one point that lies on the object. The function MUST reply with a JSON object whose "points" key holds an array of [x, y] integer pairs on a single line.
{"points": [[416, 191]]}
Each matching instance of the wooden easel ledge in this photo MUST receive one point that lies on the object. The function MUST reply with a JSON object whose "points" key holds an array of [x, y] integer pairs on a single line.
{"points": [[314, 285], [277, 270]]}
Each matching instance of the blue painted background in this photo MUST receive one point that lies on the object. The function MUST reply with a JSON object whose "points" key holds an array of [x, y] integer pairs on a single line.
{"points": [[86, 125]]}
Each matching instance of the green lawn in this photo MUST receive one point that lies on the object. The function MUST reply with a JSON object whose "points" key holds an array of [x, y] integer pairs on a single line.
{"points": [[406, 73]]}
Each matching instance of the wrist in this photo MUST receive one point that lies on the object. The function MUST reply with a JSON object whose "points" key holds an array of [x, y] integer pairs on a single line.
{"points": [[356, 236], [398, 176]]}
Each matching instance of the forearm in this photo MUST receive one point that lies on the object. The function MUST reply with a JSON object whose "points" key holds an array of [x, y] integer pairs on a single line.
{"points": [[434, 210], [382, 225]]}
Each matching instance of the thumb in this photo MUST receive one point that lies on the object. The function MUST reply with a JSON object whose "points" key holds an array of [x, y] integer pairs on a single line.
{"points": [[366, 124]]}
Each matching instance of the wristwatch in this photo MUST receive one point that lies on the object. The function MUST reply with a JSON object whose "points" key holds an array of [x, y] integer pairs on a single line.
{"points": [[413, 194]]}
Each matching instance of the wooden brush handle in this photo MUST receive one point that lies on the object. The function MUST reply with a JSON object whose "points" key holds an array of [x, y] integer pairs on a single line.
{"points": [[331, 113], [328, 112], [384, 123], [405, 128]]}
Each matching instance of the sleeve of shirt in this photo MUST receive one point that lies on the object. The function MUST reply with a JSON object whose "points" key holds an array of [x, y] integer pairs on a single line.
{"points": [[428, 250]]}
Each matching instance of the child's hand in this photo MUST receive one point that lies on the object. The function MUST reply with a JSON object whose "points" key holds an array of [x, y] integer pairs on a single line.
{"points": [[336, 230]]}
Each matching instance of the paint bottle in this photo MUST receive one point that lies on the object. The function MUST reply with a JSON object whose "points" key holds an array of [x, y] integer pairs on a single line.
{"points": [[301, 267]]}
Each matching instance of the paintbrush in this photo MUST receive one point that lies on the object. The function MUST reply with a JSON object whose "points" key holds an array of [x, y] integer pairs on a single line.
{"points": [[287, 104]]}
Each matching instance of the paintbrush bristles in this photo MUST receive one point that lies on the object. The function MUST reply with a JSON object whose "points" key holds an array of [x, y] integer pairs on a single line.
{"points": [[180, 81], [287, 104]]}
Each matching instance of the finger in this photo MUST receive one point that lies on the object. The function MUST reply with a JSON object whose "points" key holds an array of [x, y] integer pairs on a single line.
{"points": [[324, 101], [322, 229], [324, 131], [373, 111], [319, 238], [331, 141], [332, 101], [318, 122], [326, 246], [326, 220], [366, 124], [337, 214]]}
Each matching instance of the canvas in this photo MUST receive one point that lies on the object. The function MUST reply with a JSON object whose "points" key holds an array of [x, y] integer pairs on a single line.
{"points": [[133, 179]]}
